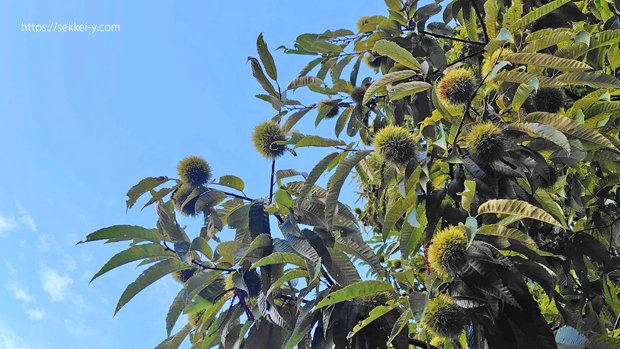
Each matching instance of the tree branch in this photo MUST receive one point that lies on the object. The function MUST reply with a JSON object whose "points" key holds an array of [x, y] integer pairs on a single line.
{"points": [[421, 344], [482, 24], [453, 38], [273, 172], [197, 263], [467, 57]]}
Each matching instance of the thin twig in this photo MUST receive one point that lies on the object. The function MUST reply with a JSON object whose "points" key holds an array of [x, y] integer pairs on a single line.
{"points": [[197, 263], [466, 57], [482, 24], [421, 344], [453, 38], [273, 170]]}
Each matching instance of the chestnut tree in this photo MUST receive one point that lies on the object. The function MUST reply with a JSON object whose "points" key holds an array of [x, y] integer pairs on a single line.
{"points": [[481, 137]]}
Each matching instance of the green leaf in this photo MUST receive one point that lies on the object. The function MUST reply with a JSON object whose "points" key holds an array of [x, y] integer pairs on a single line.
{"points": [[175, 341], [384, 80], [547, 132], [304, 81], [547, 61], [467, 196], [131, 254], [397, 53], [257, 72], [357, 290], [315, 173], [266, 58], [210, 198], [396, 211], [201, 245], [571, 127], [283, 198], [592, 79], [318, 141], [551, 38], [124, 232], [337, 181], [374, 314], [520, 77], [400, 324], [505, 232], [149, 276], [232, 182], [261, 241], [547, 202], [518, 208], [199, 281], [176, 308], [536, 14], [292, 119], [142, 187], [287, 276], [280, 258], [521, 95], [407, 89]]}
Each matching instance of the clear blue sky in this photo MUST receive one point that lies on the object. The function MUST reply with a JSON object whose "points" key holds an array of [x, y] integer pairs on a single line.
{"points": [[85, 116]]}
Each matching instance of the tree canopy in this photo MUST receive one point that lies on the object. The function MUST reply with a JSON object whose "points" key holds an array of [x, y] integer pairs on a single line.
{"points": [[481, 138]]}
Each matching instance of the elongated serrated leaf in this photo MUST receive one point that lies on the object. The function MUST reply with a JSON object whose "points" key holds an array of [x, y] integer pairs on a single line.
{"points": [[175, 341], [142, 187], [337, 181], [292, 119], [546, 201], [124, 232], [287, 276], [317, 141], [407, 89], [397, 53], [521, 95], [544, 131], [549, 39], [280, 258], [396, 211], [259, 75], [505, 232], [341, 268], [304, 81], [519, 77], [210, 198], [374, 314], [592, 79], [536, 14], [232, 182], [571, 127], [131, 254], [547, 61], [518, 208], [315, 173], [266, 58], [360, 289], [400, 324], [199, 281], [261, 241], [175, 310], [384, 80], [202, 245], [150, 275]]}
